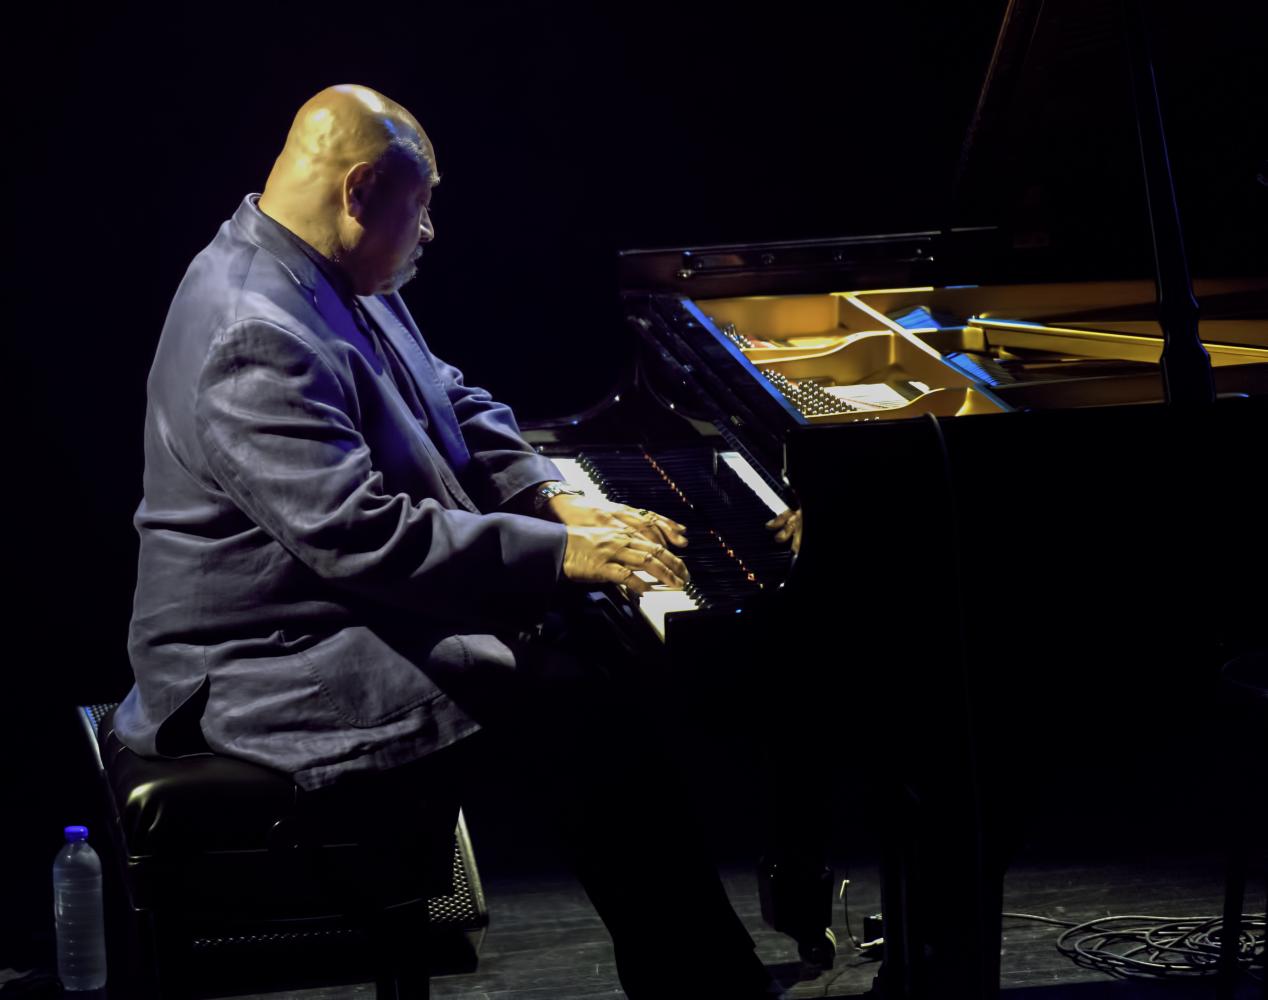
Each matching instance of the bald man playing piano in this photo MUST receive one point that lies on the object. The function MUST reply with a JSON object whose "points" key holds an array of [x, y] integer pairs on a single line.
{"points": [[349, 557]]}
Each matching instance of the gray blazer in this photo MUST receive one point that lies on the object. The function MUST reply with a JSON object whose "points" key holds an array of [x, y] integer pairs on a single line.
{"points": [[310, 562]]}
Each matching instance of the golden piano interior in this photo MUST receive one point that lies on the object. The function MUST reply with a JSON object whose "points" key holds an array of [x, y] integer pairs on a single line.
{"points": [[886, 354]]}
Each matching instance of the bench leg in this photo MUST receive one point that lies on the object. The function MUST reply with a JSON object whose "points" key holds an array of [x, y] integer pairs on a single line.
{"points": [[170, 952], [402, 948]]}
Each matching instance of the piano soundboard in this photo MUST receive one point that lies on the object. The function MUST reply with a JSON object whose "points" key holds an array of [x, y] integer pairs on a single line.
{"points": [[724, 503]]}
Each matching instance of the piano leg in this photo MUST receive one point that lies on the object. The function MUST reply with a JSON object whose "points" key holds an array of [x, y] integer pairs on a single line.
{"points": [[941, 901], [941, 800], [795, 884]]}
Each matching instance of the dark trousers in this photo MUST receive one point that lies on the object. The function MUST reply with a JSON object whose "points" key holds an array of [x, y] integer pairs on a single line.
{"points": [[592, 726]]}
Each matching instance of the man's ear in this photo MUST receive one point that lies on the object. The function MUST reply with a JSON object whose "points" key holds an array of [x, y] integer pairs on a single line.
{"points": [[358, 183]]}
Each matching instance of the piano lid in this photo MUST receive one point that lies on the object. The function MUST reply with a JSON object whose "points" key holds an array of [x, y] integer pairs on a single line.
{"points": [[1048, 185], [1051, 152]]}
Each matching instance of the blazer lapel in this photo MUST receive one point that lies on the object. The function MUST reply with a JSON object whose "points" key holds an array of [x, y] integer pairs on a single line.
{"points": [[336, 312], [409, 347]]}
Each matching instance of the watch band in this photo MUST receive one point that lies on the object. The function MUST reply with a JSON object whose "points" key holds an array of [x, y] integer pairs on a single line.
{"points": [[548, 491]]}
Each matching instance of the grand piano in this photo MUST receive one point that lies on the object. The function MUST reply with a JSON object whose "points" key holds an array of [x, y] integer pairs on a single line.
{"points": [[1029, 481]]}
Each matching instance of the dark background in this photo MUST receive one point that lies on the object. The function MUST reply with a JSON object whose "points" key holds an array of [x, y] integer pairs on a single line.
{"points": [[564, 133]]}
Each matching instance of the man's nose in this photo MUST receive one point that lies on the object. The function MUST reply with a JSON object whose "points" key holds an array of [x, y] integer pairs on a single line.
{"points": [[426, 231]]}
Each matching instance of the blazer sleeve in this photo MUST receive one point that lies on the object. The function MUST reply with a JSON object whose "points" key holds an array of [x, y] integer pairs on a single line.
{"points": [[273, 422], [503, 464]]}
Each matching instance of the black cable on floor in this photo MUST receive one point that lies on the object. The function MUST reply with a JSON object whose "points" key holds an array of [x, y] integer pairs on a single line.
{"points": [[1144, 946]]}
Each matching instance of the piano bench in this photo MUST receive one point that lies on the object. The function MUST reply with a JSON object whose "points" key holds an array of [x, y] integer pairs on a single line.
{"points": [[1243, 701], [229, 873]]}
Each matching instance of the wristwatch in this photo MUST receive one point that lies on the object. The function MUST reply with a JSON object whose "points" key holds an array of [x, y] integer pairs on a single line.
{"points": [[548, 491]]}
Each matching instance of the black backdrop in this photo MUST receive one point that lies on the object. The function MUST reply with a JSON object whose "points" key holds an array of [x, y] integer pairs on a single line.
{"points": [[564, 132]]}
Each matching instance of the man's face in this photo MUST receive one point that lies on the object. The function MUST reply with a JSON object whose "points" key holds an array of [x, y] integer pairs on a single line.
{"points": [[395, 223]]}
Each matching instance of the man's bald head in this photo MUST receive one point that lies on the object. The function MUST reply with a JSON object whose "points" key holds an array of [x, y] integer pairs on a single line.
{"points": [[344, 125], [351, 155]]}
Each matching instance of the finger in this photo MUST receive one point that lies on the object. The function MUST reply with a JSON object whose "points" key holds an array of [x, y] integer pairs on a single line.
{"points": [[661, 565], [679, 576], [624, 575], [672, 531], [636, 524], [639, 557], [779, 520], [654, 527], [649, 533], [665, 523], [660, 553], [661, 533], [663, 574], [650, 515]]}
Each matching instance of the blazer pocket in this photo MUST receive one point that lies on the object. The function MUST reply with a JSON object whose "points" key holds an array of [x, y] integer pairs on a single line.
{"points": [[365, 681]]}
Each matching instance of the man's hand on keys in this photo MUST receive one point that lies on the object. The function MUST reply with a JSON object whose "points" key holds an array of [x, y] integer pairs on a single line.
{"points": [[611, 543], [595, 512], [604, 554]]}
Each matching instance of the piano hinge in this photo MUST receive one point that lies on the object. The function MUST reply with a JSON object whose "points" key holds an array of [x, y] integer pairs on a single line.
{"points": [[809, 255]]}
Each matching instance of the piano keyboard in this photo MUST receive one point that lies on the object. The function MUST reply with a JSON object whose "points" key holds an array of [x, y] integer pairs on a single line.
{"points": [[724, 504]]}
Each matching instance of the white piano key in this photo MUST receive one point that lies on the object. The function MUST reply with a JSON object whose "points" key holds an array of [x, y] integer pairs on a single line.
{"points": [[753, 480], [658, 602], [576, 476], [661, 600]]}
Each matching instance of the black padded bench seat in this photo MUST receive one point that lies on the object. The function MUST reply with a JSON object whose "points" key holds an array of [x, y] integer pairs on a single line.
{"points": [[213, 845]]}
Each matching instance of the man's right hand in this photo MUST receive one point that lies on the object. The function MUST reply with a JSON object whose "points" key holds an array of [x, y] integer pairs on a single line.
{"points": [[613, 555]]}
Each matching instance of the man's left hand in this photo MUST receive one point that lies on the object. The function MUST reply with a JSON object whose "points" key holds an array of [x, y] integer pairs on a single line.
{"points": [[587, 512]]}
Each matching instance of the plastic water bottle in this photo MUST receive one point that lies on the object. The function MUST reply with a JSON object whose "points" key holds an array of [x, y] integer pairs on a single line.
{"points": [[77, 909]]}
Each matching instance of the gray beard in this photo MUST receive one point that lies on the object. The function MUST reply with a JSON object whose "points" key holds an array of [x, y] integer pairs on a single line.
{"points": [[400, 279], [404, 275]]}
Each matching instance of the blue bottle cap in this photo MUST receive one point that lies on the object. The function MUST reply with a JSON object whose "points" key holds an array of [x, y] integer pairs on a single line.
{"points": [[74, 833]]}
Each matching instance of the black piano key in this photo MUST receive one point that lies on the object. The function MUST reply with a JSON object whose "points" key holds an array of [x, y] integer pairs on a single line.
{"points": [[731, 554]]}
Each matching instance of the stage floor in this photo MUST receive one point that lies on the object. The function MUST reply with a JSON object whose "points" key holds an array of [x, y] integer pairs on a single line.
{"points": [[545, 942]]}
